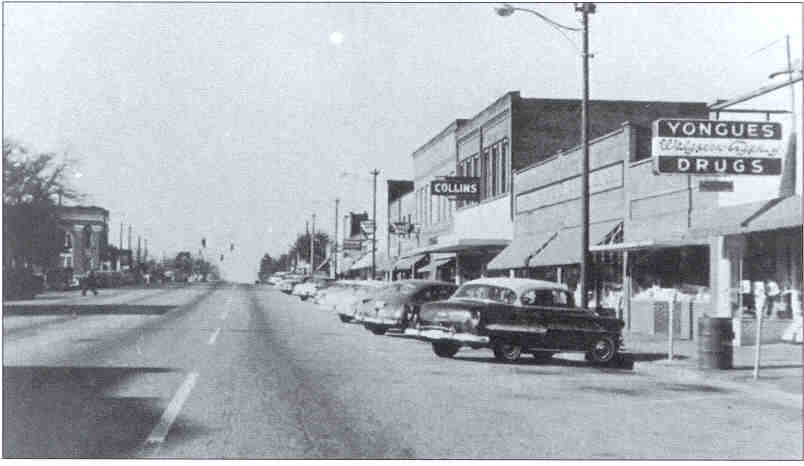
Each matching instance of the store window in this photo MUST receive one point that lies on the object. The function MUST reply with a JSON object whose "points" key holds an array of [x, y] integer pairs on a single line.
{"points": [[770, 278]]}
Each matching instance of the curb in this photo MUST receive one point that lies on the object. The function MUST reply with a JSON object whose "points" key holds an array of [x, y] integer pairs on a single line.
{"points": [[685, 371]]}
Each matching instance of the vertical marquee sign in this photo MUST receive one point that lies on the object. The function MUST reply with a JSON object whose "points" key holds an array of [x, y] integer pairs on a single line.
{"points": [[714, 147]]}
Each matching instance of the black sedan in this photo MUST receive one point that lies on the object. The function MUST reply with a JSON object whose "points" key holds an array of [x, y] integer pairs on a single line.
{"points": [[512, 316]]}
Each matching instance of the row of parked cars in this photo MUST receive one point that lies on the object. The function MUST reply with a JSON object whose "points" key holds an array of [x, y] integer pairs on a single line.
{"points": [[510, 316]]}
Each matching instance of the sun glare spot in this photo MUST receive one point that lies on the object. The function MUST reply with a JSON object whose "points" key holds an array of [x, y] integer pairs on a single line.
{"points": [[336, 37]]}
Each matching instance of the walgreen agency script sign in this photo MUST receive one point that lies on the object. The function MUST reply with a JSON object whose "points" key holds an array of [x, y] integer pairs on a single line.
{"points": [[711, 147]]}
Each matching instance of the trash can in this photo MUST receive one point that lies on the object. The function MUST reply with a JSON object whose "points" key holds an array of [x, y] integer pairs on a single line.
{"points": [[714, 343]]}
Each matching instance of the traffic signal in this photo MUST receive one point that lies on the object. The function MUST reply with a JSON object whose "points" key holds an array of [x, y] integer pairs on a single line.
{"points": [[231, 247], [221, 257], [203, 242]]}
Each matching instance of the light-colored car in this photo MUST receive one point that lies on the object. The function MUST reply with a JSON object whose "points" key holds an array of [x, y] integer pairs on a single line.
{"points": [[345, 305], [287, 283], [276, 278], [397, 306], [308, 289]]}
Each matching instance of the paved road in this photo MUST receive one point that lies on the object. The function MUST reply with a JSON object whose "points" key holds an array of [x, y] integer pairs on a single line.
{"points": [[241, 371]]}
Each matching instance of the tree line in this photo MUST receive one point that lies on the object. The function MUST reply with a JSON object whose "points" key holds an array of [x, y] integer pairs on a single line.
{"points": [[297, 253]]}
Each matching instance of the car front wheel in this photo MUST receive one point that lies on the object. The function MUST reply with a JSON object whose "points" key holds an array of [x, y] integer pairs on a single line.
{"points": [[445, 350], [507, 352], [602, 350]]}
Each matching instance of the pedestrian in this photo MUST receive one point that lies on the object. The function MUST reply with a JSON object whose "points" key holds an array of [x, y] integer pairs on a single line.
{"points": [[90, 283]]}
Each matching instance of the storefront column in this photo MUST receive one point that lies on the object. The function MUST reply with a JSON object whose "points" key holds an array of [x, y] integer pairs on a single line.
{"points": [[626, 293], [725, 257], [457, 269]]}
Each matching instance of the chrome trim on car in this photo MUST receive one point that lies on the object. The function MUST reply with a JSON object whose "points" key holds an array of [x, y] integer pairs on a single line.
{"points": [[442, 333]]}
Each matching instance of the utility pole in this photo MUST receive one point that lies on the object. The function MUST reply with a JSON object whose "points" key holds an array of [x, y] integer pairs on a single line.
{"points": [[374, 172], [586, 9], [139, 249], [145, 257], [129, 237], [312, 248], [334, 263], [121, 235]]}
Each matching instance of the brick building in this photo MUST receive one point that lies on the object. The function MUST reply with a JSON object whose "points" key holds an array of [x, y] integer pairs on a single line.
{"points": [[85, 231], [458, 238]]}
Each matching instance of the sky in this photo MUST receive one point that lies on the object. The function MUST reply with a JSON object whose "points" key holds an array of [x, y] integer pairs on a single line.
{"points": [[238, 122]]}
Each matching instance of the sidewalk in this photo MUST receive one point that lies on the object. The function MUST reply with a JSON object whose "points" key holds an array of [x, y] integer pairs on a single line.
{"points": [[780, 370]]}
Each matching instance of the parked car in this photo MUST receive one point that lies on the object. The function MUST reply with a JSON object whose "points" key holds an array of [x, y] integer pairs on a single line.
{"points": [[398, 304], [287, 283], [345, 305], [328, 297], [512, 316], [276, 278], [307, 289]]}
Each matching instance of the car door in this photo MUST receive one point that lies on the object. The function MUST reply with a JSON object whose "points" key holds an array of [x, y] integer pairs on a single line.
{"points": [[529, 317], [565, 322]]}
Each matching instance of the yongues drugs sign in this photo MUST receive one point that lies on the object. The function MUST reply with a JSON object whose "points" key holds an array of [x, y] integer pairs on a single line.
{"points": [[464, 187], [712, 147]]}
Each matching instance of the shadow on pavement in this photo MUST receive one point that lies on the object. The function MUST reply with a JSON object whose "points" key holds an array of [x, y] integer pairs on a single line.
{"points": [[648, 357], [84, 309], [554, 361], [67, 412], [769, 366]]}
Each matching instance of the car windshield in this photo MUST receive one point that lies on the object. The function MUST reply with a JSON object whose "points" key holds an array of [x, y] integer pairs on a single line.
{"points": [[487, 292]]}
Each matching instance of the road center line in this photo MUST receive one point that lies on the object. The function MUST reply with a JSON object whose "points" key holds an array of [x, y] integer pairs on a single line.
{"points": [[214, 336], [161, 430]]}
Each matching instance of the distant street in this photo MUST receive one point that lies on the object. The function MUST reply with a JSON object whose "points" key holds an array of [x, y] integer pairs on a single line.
{"points": [[244, 371]]}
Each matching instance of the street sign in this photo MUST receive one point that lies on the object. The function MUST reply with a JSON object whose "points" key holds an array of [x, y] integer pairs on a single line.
{"points": [[463, 187], [717, 147], [716, 186], [352, 244]]}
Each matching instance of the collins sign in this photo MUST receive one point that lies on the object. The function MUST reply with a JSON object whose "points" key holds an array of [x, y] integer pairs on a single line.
{"points": [[712, 147], [463, 187]]}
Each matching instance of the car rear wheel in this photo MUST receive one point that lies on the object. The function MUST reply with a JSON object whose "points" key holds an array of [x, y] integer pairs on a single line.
{"points": [[602, 350], [377, 331], [507, 351], [445, 350], [344, 318]]}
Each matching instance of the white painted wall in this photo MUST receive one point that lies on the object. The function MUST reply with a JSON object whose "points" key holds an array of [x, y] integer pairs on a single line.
{"points": [[489, 220]]}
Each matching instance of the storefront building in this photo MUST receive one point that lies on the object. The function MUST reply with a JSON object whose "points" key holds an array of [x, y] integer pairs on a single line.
{"points": [[660, 240], [508, 135]]}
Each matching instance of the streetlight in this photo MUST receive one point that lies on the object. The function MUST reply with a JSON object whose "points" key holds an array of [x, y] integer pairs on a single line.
{"points": [[585, 9]]}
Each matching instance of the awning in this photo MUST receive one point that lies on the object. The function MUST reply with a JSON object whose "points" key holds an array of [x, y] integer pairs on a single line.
{"points": [[566, 247], [772, 214], [322, 264], [463, 245], [408, 262], [649, 244], [381, 262], [436, 261], [517, 253]]}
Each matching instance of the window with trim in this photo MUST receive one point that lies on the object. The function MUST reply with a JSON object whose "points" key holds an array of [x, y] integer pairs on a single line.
{"points": [[495, 170], [503, 163]]}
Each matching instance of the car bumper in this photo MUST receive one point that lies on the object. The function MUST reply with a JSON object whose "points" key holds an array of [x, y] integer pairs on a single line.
{"points": [[445, 335], [380, 322]]}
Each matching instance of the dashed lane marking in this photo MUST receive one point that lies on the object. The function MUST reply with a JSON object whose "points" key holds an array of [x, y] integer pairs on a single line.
{"points": [[214, 336], [161, 430]]}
